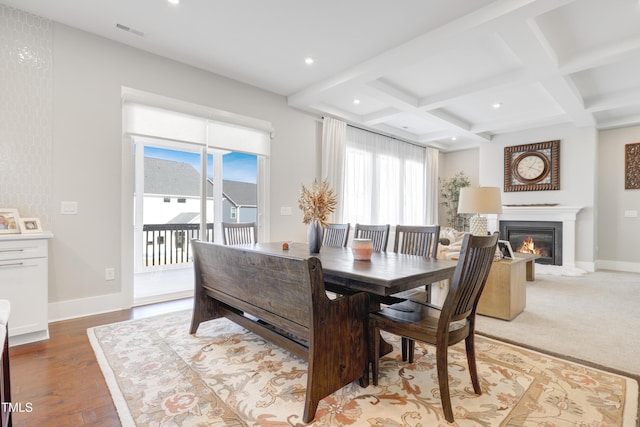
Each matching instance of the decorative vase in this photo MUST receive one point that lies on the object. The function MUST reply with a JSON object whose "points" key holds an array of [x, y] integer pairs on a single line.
{"points": [[315, 232]]}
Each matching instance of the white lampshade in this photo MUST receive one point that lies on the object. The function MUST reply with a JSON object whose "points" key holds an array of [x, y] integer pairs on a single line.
{"points": [[479, 200]]}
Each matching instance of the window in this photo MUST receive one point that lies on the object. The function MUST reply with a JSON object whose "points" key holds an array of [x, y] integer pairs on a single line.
{"points": [[387, 181], [233, 212]]}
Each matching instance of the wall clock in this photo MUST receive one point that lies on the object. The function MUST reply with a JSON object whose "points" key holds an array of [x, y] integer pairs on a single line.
{"points": [[532, 167]]}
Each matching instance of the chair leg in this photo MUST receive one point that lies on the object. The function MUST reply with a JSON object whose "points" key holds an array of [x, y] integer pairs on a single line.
{"points": [[375, 355], [471, 360], [443, 382], [408, 347], [404, 346]]}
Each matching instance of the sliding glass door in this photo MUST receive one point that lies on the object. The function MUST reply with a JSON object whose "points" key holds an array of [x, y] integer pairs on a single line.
{"points": [[176, 200], [193, 168]]}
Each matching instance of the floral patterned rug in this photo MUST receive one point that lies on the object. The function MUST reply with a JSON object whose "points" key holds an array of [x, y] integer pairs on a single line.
{"points": [[159, 375]]}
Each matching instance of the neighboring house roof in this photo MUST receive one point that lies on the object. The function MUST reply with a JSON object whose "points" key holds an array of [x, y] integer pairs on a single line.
{"points": [[240, 193], [171, 178], [179, 179], [185, 218]]}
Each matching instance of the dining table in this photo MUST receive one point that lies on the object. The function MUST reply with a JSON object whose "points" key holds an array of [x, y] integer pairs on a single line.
{"points": [[385, 274]]}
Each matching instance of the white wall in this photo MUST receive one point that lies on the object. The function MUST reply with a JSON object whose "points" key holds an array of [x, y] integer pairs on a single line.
{"points": [[577, 178], [89, 73], [450, 164], [618, 236]]}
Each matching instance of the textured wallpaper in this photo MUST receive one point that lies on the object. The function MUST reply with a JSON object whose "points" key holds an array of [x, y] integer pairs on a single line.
{"points": [[25, 114]]}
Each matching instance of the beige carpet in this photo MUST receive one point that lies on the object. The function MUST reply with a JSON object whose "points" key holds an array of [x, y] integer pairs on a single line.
{"points": [[159, 375], [593, 317]]}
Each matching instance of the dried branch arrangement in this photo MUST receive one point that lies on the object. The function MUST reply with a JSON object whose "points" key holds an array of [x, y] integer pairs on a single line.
{"points": [[317, 202]]}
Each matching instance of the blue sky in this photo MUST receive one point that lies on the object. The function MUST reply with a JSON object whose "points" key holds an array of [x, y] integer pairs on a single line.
{"points": [[236, 166]]}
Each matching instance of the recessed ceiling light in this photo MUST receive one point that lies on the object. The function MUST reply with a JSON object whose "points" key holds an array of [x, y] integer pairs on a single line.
{"points": [[453, 138], [174, 1], [356, 101], [496, 105], [309, 60]]}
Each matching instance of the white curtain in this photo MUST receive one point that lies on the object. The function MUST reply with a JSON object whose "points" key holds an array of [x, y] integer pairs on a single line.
{"points": [[388, 181], [431, 185], [334, 143]]}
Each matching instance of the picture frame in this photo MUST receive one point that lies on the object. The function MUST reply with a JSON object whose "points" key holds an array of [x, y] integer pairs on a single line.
{"points": [[9, 221], [505, 249], [632, 166], [30, 225], [532, 167]]}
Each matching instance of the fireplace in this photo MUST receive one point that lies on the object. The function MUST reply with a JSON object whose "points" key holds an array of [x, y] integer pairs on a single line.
{"points": [[543, 238], [542, 213]]}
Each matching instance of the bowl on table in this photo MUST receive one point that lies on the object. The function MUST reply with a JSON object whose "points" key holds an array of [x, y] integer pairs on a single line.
{"points": [[362, 249]]}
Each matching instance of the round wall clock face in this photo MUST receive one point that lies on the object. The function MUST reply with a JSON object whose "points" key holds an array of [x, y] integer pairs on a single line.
{"points": [[531, 167]]}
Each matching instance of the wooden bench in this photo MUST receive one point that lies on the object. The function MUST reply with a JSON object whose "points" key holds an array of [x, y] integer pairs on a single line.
{"points": [[283, 299]]}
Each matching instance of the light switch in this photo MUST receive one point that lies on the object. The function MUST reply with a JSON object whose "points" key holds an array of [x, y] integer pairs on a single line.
{"points": [[631, 214], [69, 208], [286, 210]]}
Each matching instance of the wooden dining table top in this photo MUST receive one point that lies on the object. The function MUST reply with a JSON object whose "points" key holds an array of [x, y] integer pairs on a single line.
{"points": [[385, 274]]}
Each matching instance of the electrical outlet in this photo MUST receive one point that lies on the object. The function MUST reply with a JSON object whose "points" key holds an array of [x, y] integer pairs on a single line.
{"points": [[109, 273]]}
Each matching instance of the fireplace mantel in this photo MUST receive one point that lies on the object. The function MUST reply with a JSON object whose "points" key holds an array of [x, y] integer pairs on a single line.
{"points": [[566, 214]]}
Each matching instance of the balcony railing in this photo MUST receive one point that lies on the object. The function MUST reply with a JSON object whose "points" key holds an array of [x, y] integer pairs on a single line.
{"points": [[166, 244]]}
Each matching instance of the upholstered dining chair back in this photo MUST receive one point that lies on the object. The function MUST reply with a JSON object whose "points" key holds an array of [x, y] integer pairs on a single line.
{"points": [[441, 326], [379, 234], [239, 233], [417, 240], [336, 235]]}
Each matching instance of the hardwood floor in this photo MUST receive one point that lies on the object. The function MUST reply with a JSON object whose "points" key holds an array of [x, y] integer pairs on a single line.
{"points": [[59, 379]]}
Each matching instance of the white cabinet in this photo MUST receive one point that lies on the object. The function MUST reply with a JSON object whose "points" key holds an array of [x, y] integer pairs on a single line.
{"points": [[24, 282]]}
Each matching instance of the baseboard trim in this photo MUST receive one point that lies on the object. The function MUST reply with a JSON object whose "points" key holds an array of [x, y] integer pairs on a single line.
{"points": [[162, 297], [72, 309], [587, 266], [15, 340], [630, 267]]}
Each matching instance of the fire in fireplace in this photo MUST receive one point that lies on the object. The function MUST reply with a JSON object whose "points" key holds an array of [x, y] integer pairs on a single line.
{"points": [[543, 238]]}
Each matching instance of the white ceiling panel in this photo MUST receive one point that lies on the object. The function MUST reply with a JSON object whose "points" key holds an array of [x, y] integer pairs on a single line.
{"points": [[469, 60], [424, 70], [345, 100], [609, 78], [586, 25], [529, 100], [414, 125]]}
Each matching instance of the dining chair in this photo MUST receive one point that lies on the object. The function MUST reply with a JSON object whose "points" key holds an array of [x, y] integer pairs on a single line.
{"points": [[336, 235], [239, 233], [379, 234], [417, 240], [441, 326]]}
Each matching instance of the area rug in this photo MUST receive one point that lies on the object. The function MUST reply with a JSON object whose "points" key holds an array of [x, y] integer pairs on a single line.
{"points": [[160, 375]]}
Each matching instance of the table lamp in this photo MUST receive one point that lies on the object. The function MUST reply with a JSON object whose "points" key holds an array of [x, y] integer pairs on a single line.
{"points": [[479, 200]]}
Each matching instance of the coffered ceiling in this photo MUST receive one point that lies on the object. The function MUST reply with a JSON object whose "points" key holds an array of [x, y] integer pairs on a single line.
{"points": [[445, 73]]}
